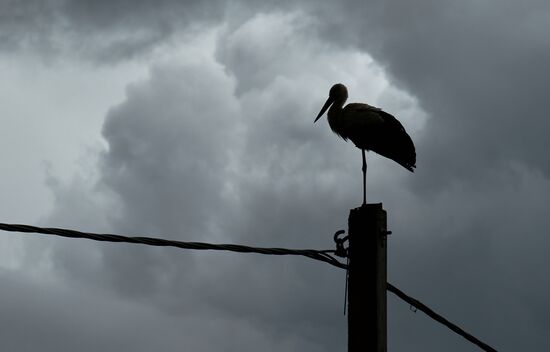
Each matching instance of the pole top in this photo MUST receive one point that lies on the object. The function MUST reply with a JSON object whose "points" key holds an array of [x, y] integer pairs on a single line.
{"points": [[369, 207]]}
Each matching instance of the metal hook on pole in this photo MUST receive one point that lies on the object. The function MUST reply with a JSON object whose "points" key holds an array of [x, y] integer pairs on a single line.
{"points": [[341, 251]]}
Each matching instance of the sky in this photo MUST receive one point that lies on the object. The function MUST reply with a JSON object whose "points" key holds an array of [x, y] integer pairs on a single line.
{"points": [[193, 121]]}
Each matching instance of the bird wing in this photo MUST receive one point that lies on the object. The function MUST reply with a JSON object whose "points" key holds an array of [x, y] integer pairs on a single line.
{"points": [[360, 117], [361, 108], [399, 145], [371, 128], [371, 114]]}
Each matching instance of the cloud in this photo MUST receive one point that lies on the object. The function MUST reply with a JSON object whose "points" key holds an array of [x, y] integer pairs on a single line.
{"points": [[469, 261], [218, 145], [478, 70], [51, 316], [208, 151], [102, 32], [480, 78]]}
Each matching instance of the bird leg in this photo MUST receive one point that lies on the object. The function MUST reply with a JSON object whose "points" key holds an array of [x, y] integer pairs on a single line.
{"points": [[364, 177]]}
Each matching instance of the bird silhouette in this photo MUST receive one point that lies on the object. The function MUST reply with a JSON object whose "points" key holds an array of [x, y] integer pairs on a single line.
{"points": [[369, 128]]}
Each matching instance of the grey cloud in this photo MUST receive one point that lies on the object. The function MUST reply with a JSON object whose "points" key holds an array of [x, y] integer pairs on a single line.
{"points": [[50, 316], [187, 155], [256, 54], [189, 159], [482, 81], [98, 31], [168, 148], [26, 24], [478, 69], [475, 258]]}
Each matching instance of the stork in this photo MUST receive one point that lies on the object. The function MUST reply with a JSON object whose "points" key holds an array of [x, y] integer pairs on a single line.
{"points": [[369, 128]]}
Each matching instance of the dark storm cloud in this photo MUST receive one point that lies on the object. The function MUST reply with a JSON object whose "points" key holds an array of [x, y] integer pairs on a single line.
{"points": [[474, 255], [226, 152], [98, 31], [112, 31], [189, 159], [479, 69], [26, 24], [168, 132], [474, 227], [54, 317], [157, 138], [188, 177]]}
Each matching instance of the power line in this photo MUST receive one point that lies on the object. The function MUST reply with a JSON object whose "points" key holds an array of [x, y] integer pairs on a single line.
{"points": [[324, 255], [321, 255], [429, 312]]}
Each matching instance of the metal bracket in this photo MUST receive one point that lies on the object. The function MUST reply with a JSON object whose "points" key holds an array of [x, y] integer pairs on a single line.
{"points": [[341, 251]]}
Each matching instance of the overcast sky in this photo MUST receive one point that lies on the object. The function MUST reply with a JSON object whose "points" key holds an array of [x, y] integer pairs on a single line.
{"points": [[193, 120]]}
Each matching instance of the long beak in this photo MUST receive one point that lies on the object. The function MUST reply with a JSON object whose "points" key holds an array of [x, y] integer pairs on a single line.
{"points": [[328, 103]]}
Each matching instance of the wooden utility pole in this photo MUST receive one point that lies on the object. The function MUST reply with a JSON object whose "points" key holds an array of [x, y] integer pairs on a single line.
{"points": [[367, 320]]}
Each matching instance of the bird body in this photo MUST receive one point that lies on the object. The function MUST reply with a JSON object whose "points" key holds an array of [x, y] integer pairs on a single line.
{"points": [[369, 128]]}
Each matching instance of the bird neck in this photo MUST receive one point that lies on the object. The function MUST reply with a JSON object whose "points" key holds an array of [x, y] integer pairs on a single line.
{"points": [[336, 108], [333, 116]]}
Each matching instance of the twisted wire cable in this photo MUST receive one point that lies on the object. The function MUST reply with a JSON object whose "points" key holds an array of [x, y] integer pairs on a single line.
{"points": [[324, 256], [321, 255]]}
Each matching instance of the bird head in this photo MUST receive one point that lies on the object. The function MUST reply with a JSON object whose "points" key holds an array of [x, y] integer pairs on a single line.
{"points": [[338, 92]]}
